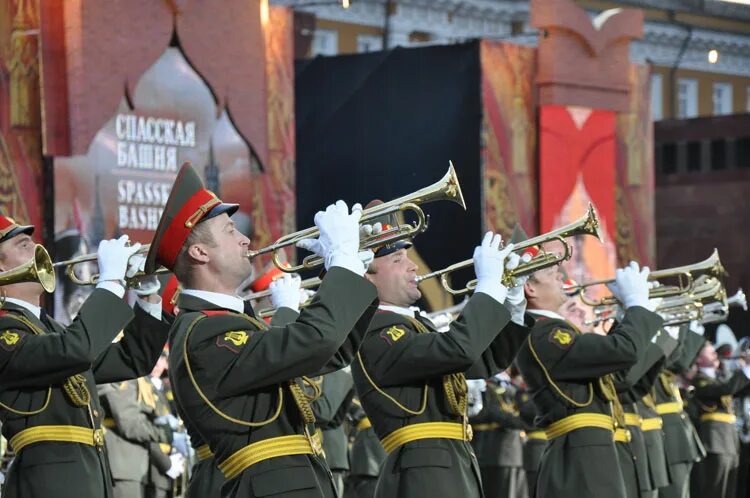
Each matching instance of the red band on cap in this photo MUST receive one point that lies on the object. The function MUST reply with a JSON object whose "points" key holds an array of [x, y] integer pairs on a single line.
{"points": [[532, 251], [215, 312], [186, 218], [6, 225]]}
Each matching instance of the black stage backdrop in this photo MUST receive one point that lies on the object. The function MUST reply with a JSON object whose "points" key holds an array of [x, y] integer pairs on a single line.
{"points": [[384, 124]]}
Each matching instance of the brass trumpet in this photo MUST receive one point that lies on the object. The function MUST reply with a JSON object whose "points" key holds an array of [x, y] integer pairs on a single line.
{"points": [[305, 284], [586, 225], [446, 189], [685, 275], [39, 269], [708, 292], [131, 282]]}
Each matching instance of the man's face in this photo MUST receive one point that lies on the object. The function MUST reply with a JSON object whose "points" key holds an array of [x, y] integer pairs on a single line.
{"points": [[17, 251], [575, 312], [548, 289], [228, 255], [394, 276], [707, 357]]}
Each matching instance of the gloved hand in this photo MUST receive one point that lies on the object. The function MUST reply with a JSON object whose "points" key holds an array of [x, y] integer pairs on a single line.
{"points": [[180, 443], [673, 331], [285, 291], [178, 465], [489, 264], [113, 256], [515, 301], [168, 420], [338, 243], [697, 327], [366, 257], [147, 285], [632, 286]]}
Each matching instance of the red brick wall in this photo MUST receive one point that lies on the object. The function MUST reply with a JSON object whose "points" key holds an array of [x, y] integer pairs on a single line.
{"points": [[697, 212]]}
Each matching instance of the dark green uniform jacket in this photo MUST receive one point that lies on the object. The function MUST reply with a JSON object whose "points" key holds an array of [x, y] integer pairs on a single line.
{"points": [[35, 361], [712, 402], [399, 378], [337, 391], [234, 390], [646, 447], [206, 479], [130, 431], [366, 457], [564, 371], [498, 442], [681, 439], [158, 483]]}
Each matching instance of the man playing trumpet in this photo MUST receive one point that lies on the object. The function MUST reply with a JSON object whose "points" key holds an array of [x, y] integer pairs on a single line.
{"points": [[238, 383], [49, 408], [412, 380], [570, 381]]}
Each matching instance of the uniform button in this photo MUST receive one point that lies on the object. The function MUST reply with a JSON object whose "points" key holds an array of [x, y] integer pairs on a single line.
{"points": [[96, 413]]}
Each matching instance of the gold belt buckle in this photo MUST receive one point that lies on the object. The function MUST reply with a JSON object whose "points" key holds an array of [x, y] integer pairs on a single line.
{"points": [[98, 438]]}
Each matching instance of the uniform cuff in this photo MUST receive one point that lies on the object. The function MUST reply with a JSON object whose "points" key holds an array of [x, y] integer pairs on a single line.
{"points": [[153, 309], [115, 288]]}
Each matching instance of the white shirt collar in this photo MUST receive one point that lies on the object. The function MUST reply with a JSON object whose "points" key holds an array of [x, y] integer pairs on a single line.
{"points": [[410, 311], [708, 371], [548, 314], [36, 310], [233, 303]]}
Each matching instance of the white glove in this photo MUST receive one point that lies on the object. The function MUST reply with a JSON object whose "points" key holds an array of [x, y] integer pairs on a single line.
{"points": [[338, 243], [113, 256], [516, 299], [147, 285], [168, 419], [673, 331], [178, 466], [135, 264], [366, 257], [632, 286], [475, 402], [489, 264], [180, 443], [285, 291], [697, 327]]}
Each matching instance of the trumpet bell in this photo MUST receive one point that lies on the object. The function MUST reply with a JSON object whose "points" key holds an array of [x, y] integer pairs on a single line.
{"points": [[39, 269]]}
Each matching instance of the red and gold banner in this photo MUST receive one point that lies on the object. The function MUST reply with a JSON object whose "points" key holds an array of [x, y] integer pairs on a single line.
{"points": [[577, 167], [508, 137]]}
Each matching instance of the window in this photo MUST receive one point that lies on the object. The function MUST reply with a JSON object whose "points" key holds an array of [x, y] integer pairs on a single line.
{"points": [[656, 97], [325, 42], [687, 98], [369, 43], [722, 98]]}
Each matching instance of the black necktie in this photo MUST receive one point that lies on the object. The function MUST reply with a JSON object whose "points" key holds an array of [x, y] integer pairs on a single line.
{"points": [[45, 319], [248, 309]]}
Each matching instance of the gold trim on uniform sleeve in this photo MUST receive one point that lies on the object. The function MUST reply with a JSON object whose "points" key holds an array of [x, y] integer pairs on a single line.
{"points": [[203, 452]]}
